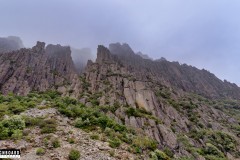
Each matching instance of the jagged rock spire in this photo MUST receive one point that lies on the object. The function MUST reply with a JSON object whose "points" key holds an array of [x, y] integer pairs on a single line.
{"points": [[39, 48], [103, 54]]}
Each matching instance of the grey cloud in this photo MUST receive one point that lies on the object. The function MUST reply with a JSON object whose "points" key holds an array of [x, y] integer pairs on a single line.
{"points": [[201, 32]]}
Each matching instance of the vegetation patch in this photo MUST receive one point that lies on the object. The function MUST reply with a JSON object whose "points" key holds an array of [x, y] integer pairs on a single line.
{"points": [[56, 143], [46, 125], [137, 112], [74, 155], [40, 151], [12, 127], [159, 155]]}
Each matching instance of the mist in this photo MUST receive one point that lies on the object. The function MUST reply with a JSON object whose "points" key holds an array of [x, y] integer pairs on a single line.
{"points": [[201, 33]]}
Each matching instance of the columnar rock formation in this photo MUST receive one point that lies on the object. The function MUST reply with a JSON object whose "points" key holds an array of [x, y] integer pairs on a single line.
{"points": [[161, 99], [36, 69], [122, 77], [183, 77]]}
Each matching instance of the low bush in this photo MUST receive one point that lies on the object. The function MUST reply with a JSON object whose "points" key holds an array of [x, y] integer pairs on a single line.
{"points": [[114, 142], [48, 126], [144, 143], [168, 152], [132, 112], [71, 140], [33, 121], [223, 141], [211, 150], [17, 134], [94, 136], [40, 151], [74, 155], [56, 143], [158, 155], [12, 127]]}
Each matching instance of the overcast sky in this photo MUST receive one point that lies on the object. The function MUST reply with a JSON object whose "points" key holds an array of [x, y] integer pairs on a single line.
{"points": [[202, 33]]}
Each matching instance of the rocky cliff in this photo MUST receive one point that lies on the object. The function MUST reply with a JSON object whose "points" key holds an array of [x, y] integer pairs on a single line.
{"points": [[187, 111], [36, 69], [183, 77], [167, 101]]}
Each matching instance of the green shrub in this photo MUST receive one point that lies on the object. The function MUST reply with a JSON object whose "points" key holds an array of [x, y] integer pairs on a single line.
{"points": [[56, 143], [71, 140], [112, 153], [212, 157], [13, 123], [40, 151], [144, 143], [224, 141], [66, 112], [51, 94], [45, 141], [132, 112], [118, 127], [79, 123], [31, 104], [211, 150], [48, 126], [109, 132], [16, 107], [4, 132], [48, 129], [12, 127], [184, 142], [197, 135], [168, 152], [17, 134], [158, 155], [174, 104], [3, 110], [141, 112], [104, 122], [114, 142], [33, 121], [94, 136], [74, 155], [94, 102]]}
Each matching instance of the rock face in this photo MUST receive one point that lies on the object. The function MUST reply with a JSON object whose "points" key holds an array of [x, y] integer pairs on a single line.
{"points": [[36, 69], [164, 100], [120, 85], [183, 77], [10, 43], [154, 88]]}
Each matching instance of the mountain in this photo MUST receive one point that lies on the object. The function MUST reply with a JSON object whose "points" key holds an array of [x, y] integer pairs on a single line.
{"points": [[180, 77], [10, 43], [170, 102], [36, 69], [134, 107]]}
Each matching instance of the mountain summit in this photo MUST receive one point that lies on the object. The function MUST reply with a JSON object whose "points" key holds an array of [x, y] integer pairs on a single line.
{"points": [[144, 109]]}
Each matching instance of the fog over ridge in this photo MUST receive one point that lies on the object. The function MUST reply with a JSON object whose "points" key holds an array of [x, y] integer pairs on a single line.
{"points": [[201, 33]]}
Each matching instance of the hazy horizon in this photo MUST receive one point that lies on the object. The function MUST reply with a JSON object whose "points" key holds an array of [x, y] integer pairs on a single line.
{"points": [[200, 33]]}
